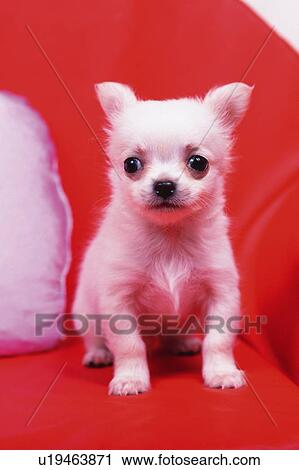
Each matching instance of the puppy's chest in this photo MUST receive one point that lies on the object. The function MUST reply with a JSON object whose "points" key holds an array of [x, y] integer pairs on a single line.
{"points": [[170, 287]]}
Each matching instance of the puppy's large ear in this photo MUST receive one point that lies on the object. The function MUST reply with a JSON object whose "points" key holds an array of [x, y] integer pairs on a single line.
{"points": [[229, 102], [114, 97]]}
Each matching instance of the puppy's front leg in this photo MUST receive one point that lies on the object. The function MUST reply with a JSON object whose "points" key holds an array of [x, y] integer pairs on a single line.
{"points": [[131, 373], [219, 367]]}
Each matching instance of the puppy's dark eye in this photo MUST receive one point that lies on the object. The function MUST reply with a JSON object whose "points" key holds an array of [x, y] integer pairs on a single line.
{"points": [[132, 164], [199, 164]]}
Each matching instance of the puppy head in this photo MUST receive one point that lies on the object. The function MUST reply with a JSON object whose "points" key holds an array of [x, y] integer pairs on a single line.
{"points": [[171, 155]]}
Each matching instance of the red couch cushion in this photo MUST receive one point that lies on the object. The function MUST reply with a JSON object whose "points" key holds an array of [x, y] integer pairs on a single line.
{"points": [[72, 409]]}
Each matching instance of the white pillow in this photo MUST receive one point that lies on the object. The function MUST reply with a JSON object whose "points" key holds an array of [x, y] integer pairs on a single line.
{"points": [[35, 229]]}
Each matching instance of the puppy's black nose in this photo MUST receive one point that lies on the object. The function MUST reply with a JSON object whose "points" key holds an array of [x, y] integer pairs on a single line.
{"points": [[164, 189]]}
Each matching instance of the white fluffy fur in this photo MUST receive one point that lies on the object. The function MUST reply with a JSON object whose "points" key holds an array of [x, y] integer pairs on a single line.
{"points": [[175, 261]]}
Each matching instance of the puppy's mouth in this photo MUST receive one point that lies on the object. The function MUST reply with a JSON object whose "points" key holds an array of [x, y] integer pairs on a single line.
{"points": [[166, 206]]}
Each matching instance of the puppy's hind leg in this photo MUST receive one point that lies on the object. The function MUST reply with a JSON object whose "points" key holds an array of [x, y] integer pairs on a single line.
{"points": [[96, 352], [98, 355], [182, 344]]}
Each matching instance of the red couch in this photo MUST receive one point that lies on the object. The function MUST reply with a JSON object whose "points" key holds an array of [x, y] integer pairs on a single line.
{"points": [[164, 49]]}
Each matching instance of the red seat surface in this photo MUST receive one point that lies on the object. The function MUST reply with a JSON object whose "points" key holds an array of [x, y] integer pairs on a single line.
{"points": [[179, 412], [164, 49]]}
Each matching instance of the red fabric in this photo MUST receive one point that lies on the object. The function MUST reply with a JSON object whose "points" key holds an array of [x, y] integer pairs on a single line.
{"points": [[165, 49], [179, 412]]}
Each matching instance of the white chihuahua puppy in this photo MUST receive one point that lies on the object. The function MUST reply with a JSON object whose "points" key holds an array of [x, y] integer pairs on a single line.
{"points": [[163, 244]]}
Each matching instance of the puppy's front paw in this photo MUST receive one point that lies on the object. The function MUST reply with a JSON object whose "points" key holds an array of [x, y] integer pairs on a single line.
{"points": [[128, 386], [97, 357], [217, 378]]}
